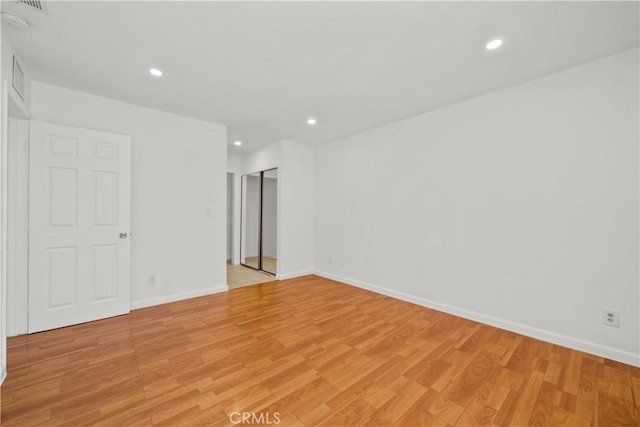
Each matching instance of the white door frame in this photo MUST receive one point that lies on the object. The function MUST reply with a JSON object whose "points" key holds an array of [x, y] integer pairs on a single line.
{"points": [[18, 227], [4, 125]]}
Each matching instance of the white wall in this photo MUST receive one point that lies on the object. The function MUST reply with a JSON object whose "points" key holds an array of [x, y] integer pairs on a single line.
{"points": [[229, 216], [234, 166], [518, 208], [20, 106], [3, 229], [295, 202], [178, 190], [17, 226], [17, 107], [296, 189], [17, 182]]}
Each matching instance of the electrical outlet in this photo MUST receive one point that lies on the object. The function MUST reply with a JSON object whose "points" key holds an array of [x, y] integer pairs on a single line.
{"points": [[152, 280], [611, 318]]}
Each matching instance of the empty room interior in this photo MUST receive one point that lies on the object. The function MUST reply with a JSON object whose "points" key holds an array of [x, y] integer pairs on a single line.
{"points": [[320, 213]]}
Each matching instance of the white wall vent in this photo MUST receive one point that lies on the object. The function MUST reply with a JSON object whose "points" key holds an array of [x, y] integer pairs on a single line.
{"points": [[33, 4]]}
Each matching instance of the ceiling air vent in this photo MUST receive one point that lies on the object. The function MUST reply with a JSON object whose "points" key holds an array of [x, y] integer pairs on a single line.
{"points": [[34, 4]]}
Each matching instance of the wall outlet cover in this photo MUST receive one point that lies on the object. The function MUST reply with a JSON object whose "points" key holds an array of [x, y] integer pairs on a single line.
{"points": [[611, 318]]}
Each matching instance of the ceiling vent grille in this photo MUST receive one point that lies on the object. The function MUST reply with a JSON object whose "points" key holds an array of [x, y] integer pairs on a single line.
{"points": [[34, 4]]}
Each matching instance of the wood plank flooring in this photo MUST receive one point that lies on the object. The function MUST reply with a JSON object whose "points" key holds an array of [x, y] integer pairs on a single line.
{"points": [[307, 351]]}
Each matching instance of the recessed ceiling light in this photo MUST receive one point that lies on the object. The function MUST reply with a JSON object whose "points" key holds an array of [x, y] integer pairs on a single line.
{"points": [[238, 143], [155, 72], [494, 44], [311, 121]]}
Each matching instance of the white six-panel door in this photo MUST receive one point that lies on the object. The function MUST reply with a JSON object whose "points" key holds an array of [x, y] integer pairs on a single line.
{"points": [[79, 225]]}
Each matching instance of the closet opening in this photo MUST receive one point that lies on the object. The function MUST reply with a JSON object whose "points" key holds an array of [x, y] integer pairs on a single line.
{"points": [[259, 221]]}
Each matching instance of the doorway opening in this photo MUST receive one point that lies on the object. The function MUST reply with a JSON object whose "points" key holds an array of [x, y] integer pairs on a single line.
{"points": [[258, 254], [250, 262], [259, 226]]}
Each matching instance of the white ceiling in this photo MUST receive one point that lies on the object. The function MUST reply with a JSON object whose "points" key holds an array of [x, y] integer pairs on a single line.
{"points": [[263, 68]]}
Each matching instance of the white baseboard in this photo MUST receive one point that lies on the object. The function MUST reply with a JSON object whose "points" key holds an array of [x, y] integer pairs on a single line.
{"points": [[284, 276], [164, 299], [541, 334], [3, 374]]}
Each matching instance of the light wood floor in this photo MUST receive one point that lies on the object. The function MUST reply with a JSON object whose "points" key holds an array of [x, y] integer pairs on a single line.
{"points": [[311, 351], [239, 275]]}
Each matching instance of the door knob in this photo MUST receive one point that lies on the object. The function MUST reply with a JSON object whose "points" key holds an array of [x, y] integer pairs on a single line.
{"points": [[123, 235]]}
